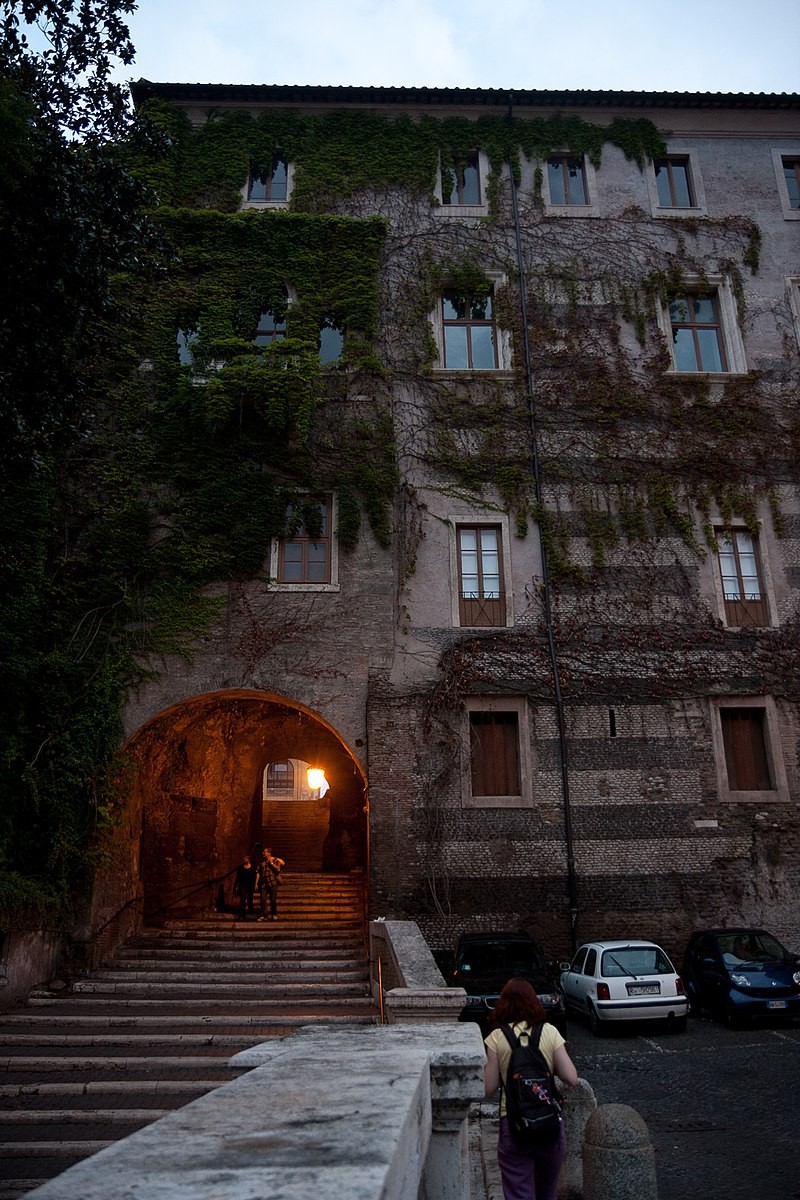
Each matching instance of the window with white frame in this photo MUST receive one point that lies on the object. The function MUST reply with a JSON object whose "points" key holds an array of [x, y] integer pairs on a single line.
{"points": [[786, 163], [742, 579], [497, 754], [269, 183], [702, 328], [747, 749], [305, 558]]}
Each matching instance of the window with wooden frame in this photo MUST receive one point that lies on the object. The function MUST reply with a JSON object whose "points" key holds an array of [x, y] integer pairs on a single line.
{"points": [[271, 328], [697, 338], [497, 753], [566, 180], [747, 749], [482, 599], [494, 753], [674, 182], [304, 552], [469, 335], [269, 183], [742, 580], [461, 180]]}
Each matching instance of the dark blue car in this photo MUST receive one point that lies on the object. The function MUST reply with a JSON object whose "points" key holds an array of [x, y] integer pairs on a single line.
{"points": [[740, 975]]}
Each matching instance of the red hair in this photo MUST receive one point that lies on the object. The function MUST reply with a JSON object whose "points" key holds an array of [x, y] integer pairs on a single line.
{"points": [[518, 1002]]}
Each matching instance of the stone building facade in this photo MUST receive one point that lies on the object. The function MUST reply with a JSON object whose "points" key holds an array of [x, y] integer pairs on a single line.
{"points": [[561, 691]]}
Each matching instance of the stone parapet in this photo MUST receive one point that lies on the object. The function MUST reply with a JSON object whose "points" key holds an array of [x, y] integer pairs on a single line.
{"points": [[370, 1114]]}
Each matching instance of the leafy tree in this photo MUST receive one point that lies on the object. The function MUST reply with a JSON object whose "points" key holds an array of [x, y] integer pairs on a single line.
{"points": [[70, 218]]}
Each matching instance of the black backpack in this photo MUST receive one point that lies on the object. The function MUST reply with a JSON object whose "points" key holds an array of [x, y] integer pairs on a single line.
{"points": [[532, 1105]]}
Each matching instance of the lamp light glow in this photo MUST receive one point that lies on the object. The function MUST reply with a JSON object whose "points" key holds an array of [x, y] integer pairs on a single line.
{"points": [[317, 780]]}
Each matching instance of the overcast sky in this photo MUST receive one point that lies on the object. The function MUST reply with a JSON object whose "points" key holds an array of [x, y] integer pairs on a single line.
{"points": [[640, 45]]}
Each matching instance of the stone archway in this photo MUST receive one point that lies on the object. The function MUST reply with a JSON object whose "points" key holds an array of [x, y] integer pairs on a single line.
{"points": [[198, 785]]}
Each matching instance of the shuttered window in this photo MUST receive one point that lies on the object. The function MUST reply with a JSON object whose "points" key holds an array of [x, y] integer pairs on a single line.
{"points": [[746, 754], [494, 751]]}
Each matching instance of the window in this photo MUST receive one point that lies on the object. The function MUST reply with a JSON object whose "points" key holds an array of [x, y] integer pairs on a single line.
{"points": [[566, 180], [674, 183], [786, 163], [742, 582], [747, 749], [494, 753], [791, 175], [270, 328], [460, 180], [746, 759], [696, 333], [480, 575], [331, 341], [269, 184], [304, 552], [186, 342], [497, 753], [280, 776], [469, 335]]}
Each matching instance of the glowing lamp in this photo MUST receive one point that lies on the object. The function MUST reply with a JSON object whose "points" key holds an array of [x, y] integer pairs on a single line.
{"points": [[317, 780]]}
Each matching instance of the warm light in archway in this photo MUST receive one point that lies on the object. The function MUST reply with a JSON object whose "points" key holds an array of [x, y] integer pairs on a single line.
{"points": [[317, 780]]}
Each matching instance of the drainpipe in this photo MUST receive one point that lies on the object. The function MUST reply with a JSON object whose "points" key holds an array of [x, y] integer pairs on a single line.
{"points": [[572, 883]]}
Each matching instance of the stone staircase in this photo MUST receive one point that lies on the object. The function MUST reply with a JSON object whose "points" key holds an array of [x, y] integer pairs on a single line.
{"points": [[155, 1026]]}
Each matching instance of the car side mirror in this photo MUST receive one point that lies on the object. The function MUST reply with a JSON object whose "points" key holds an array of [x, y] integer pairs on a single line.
{"points": [[564, 966]]}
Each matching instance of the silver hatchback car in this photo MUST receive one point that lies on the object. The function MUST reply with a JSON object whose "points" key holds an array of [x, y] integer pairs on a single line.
{"points": [[624, 981]]}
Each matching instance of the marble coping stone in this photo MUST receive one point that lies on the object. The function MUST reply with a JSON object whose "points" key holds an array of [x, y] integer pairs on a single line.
{"points": [[415, 963], [326, 1112]]}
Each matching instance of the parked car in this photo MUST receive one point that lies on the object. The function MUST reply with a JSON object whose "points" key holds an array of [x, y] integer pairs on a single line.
{"points": [[741, 974], [484, 962], [624, 981]]}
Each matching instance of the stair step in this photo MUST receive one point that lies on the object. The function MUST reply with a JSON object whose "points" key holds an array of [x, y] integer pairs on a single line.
{"points": [[156, 1026]]}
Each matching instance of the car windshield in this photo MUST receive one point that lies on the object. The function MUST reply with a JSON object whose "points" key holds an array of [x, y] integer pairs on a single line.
{"points": [[750, 946], [499, 958], [635, 960]]}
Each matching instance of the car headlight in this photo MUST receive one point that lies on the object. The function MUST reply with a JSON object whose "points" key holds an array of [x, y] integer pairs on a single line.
{"points": [[740, 980]]}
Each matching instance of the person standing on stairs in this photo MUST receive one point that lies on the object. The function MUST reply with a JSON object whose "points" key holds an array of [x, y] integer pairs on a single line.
{"points": [[244, 886], [269, 878]]}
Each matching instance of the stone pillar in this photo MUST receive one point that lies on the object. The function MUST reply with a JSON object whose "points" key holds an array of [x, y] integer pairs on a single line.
{"points": [[446, 1173], [407, 1005], [579, 1104], [618, 1157]]}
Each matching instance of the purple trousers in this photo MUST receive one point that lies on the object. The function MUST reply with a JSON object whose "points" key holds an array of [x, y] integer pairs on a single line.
{"points": [[529, 1174]]}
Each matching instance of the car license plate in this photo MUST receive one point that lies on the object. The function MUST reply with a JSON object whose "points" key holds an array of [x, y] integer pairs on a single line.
{"points": [[776, 1004], [644, 989]]}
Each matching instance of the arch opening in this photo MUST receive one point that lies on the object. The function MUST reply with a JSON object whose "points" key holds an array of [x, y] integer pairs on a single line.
{"points": [[222, 775]]}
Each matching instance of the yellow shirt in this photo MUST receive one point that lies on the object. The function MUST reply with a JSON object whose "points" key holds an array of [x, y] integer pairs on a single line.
{"points": [[549, 1042]]}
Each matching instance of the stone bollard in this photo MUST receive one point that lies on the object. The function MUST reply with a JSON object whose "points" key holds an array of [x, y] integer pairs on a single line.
{"points": [[579, 1104], [618, 1158]]}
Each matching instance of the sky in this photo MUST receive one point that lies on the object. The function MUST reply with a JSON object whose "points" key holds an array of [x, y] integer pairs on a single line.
{"points": [[636, 45]]}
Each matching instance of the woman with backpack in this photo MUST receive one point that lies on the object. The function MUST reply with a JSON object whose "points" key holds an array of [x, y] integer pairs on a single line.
{"points": [[523, 1053]]}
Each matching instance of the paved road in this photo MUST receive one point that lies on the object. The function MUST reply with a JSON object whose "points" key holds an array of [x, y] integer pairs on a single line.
{"points": [[722, 1106]]}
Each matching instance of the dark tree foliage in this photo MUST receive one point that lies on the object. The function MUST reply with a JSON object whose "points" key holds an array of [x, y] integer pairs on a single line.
{"points": [[70, 219]]}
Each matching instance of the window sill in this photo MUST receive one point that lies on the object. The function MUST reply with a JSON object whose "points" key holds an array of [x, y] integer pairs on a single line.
{"points": [[472, 372], [693, 212], [771, 797], [571, 210], [260, 205], [275, 586], [712, 376], [461, 210], [496, 802]]}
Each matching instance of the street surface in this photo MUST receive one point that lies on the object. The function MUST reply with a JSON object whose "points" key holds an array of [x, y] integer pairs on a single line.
{"points": [[722, 1106]]}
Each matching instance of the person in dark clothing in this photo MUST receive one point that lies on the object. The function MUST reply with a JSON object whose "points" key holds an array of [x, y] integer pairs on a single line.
{"points": [[244, 886], [269, 876]]}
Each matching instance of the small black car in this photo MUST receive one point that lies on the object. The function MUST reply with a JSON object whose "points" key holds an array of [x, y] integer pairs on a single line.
{"points": [[741, 974], [484, 962]]}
